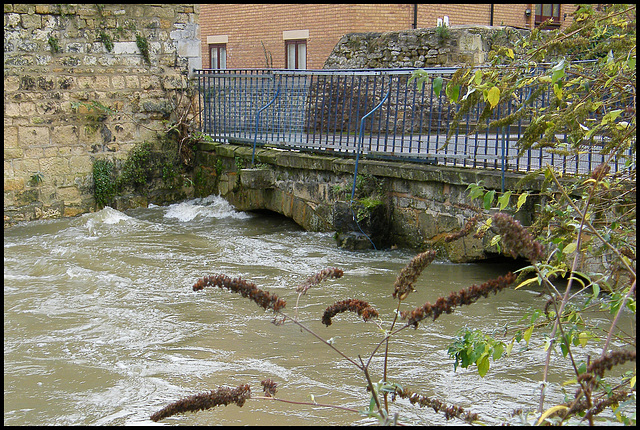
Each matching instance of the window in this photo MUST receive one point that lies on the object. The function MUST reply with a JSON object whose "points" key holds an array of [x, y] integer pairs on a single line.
{"points": [[218, 55], [548, 11], [296, 54]]}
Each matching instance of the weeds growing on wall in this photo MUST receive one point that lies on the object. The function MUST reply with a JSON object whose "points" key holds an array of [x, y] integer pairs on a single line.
{"points": [[137, 173]]}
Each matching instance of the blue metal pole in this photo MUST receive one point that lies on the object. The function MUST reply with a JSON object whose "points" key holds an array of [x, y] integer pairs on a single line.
{"points": [[355, 172]]}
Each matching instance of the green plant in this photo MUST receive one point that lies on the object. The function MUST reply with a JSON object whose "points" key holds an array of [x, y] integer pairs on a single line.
{"points": [[475, 347], [588, 225], [36, 179], [171, 177], [138, 168], [53, 44], [365, 206], [104, 184], [240, 163], [443, 32], [106, 40], [219, 167], [143, 45]]}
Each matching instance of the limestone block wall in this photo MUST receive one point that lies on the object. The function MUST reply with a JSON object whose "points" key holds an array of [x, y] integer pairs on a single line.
{"points": [[460, 45], [59, 60]]}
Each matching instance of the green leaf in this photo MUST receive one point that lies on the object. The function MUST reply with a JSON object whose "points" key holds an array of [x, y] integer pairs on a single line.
{"points": [[527, 334], [503, 200], [477, 78], [557, 91], [483, 364], [372, 404], [498, 350], [476, 191], [420, 76], [510, 346], [495, 239], [557, 72], [453, 92], [493, 97], [611, 116], [510, 53], [521, 200], [488, 199], [570, 248], [584, 338], [437, 85], [526, 282]]}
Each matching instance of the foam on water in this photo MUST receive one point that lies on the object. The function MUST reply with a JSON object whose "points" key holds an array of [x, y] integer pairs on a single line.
{"points": [[208, 207]]}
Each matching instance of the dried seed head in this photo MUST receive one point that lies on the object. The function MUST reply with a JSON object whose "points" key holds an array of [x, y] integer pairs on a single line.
{"points": [[410, 273], [361, 307], [319, 277], [437, 405], [269, 387], [221, 396], [245, 288], [455, 299], [516, 238]]}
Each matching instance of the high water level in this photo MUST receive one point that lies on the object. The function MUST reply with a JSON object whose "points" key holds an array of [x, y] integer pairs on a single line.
{"points": [[101, 325]]}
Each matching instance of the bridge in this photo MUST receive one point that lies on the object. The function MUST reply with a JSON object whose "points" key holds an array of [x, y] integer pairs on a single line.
{"points": [[295, 142]]}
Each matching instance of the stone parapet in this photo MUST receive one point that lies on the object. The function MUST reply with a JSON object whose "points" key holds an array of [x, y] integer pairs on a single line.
{"points": [[461, 45]]}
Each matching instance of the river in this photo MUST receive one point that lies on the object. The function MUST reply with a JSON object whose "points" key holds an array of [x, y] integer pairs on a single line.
{"points": [[102, 327]]}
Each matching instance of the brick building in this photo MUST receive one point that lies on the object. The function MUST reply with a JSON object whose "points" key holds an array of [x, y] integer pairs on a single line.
{"points": [[301, 36]]}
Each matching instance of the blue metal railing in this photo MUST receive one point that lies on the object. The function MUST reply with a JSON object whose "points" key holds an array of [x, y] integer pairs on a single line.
{"points": [[320, 110]]}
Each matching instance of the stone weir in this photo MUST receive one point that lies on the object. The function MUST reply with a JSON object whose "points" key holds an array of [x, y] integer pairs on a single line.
{"points": [[404, 204]]}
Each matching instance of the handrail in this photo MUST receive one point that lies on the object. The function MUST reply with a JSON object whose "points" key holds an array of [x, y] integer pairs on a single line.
{"points": [[255, 138], [355, 172], [318, 110]]}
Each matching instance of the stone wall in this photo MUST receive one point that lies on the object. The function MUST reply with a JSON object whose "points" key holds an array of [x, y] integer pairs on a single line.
{"points": [[461, 45], [60, 63], [423, 202]]}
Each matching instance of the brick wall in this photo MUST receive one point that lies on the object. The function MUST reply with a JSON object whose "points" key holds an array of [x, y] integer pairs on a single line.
{"points": [[247, 25], [54, 57]]}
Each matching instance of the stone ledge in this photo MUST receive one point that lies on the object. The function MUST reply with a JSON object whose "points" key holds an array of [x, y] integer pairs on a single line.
{"points": [[259, 179]]}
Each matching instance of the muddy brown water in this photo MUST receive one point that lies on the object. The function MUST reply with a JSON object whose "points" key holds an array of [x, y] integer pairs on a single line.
{"points": [[102, 327]]}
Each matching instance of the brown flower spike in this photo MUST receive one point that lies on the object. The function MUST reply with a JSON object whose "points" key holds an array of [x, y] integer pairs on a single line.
{"points": [[614, 358], [353, 305], [455, 299], [319, 277], [516, 238], [247, 289], [221, 396], [269, 387], [410, 273], [437, 405]]}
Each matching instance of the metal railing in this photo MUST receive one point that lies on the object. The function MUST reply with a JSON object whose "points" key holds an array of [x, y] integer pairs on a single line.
{"points": [[321, 110]]}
